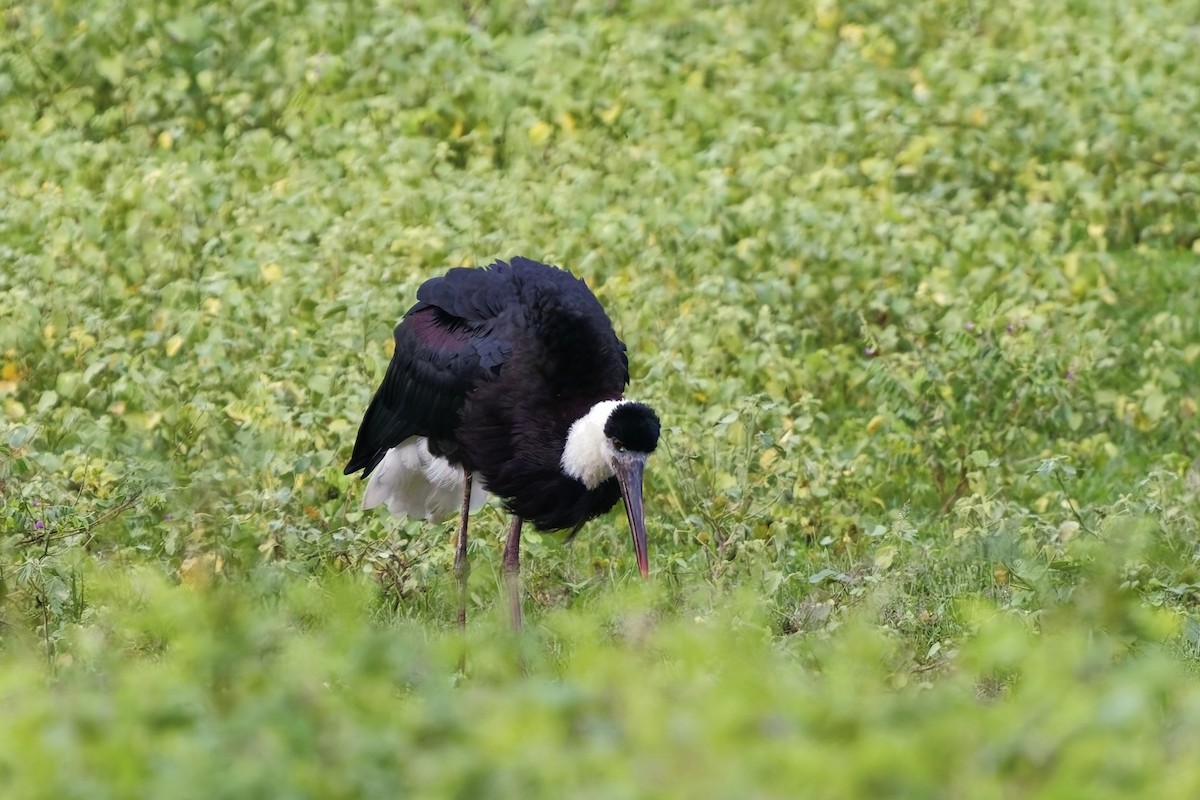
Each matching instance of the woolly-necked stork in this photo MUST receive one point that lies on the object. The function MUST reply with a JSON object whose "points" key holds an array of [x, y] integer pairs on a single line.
{"points": [[507, 379]]}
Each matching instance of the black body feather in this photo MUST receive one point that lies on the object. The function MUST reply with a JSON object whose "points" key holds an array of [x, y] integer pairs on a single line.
{"points": [[493, 365]]}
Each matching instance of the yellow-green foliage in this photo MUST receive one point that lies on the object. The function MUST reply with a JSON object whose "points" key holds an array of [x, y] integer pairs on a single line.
{"points": [[173, 692], [914, 286]]}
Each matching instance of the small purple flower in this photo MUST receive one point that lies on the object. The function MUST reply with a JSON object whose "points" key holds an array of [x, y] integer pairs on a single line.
{"points": [[39, 524], [168, 516], [970, 325], [1008, 328], [869, 351], [1070, 375], [37, 503]]}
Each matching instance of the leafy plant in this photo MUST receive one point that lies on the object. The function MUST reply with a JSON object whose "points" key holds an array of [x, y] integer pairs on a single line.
{"points": [[913, 286]]}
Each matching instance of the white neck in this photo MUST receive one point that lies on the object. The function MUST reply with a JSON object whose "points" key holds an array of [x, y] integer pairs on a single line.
{"points": [[588, 454]]}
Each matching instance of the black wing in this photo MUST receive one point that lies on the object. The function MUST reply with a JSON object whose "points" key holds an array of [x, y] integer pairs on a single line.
{"points": [[578, 352], [445, 345]]}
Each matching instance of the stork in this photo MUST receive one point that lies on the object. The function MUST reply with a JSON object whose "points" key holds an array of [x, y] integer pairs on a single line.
{"points": [[507, 379]]}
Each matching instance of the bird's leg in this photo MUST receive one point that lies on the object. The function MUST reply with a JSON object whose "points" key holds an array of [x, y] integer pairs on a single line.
{"points": [[512, 570], [462, 567]]}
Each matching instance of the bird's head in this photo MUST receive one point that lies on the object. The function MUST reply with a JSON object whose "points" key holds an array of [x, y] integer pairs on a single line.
{"points": [[614, 439]]}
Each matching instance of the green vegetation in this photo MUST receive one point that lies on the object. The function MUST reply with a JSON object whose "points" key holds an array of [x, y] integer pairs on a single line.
{"points": [[914, 286]]}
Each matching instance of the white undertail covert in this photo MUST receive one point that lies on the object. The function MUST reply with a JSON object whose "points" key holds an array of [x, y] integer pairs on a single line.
{"points": [[413, 482]]}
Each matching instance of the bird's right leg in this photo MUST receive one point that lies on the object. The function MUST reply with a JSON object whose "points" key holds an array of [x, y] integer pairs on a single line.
{"points": [[512, 570], [462, 568]]}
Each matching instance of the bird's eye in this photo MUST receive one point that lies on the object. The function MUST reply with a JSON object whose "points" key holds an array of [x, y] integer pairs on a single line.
{"points": [[619, 445]]}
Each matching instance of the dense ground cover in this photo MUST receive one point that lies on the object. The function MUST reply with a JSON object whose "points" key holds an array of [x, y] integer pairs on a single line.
{"points": [[914, 286]]}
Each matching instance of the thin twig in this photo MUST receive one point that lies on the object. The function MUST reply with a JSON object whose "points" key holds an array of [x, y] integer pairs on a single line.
{"points": [[120, 508], [1071, 503]]}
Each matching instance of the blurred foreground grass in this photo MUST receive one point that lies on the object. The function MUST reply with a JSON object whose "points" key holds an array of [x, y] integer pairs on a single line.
{"points": [[170, 692], [914, 286]]}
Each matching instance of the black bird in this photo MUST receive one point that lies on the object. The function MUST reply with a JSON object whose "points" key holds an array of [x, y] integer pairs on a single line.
{"points": [[507, 379]]}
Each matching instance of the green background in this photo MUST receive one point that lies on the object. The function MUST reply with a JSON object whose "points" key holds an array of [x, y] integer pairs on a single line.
{"points": [[913, 286]]}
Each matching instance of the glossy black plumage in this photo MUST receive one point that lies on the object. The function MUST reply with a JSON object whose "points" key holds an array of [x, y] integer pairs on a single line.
{"points": [[634, 426], [493, 365]]}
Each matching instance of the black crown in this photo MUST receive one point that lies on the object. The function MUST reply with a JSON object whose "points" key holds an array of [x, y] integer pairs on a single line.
{"points": [[635, 425]]}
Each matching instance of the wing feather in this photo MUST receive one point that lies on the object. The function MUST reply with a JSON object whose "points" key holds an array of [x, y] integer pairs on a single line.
{"points": [[440, 356]]}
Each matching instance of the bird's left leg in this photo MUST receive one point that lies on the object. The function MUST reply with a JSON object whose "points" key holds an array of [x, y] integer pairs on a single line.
{"points": [[512, 570], [462, 567]]}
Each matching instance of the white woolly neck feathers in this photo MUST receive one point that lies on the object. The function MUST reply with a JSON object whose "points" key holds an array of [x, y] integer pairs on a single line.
{"points": [[588, 455]]}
